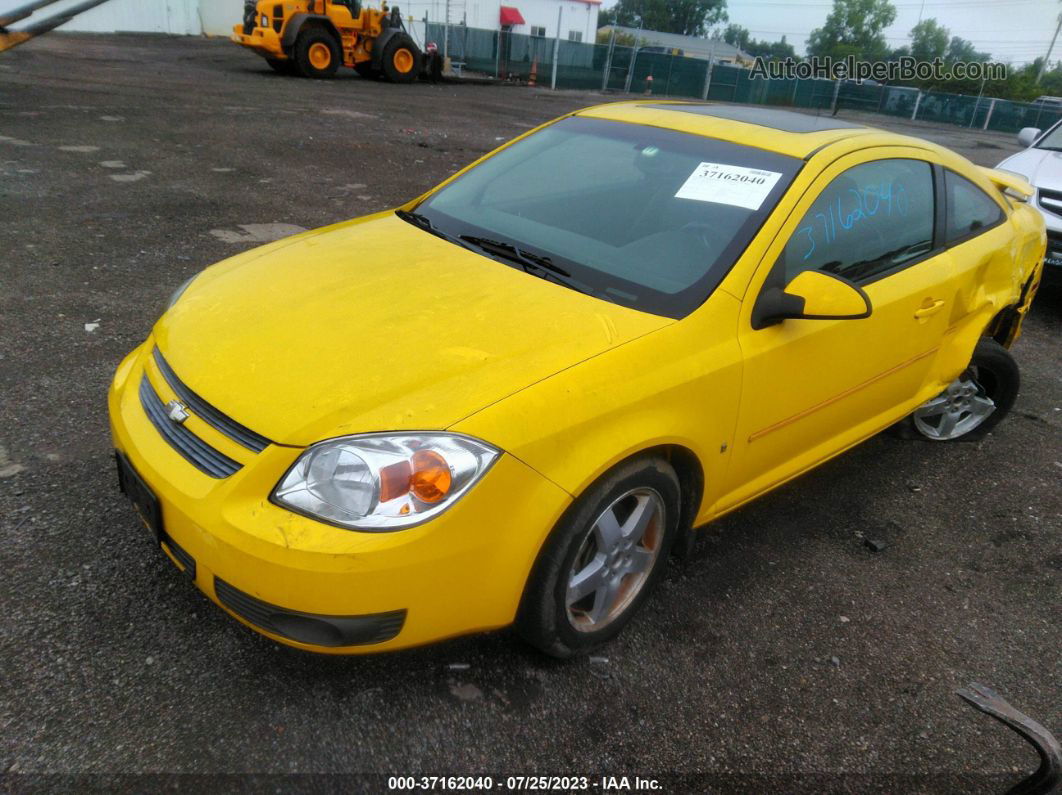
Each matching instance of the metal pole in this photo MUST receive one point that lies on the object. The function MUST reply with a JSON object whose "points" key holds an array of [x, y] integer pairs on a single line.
{"points": [[708, 71], [1043, 66], [556, 50], [988, 116], [977, 105], [608, 59], [446, 33], [16, 14], [630, 69], [918, 101], [17, 37]]}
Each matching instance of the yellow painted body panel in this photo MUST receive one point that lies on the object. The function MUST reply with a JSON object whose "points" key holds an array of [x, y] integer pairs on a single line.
{"points": [[375, 325], [455, 574], [384, 327]]}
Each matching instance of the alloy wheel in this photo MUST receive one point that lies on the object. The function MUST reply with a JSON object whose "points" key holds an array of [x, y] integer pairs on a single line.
{"points": [[956, 411], [615, 559]]}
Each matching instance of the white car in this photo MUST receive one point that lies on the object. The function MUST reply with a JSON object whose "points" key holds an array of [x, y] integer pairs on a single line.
{"points": [[1041, 164]]}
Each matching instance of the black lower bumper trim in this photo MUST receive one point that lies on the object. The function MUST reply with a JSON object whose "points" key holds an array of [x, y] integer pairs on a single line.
{"points": [[316, 630], [186, 560]]}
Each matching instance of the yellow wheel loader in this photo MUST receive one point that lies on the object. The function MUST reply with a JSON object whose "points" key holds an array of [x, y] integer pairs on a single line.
{"points": [[313, 38]]}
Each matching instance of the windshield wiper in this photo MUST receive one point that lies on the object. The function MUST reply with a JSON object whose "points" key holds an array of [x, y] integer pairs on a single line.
{"points": [[515, 254], [423, 222]]}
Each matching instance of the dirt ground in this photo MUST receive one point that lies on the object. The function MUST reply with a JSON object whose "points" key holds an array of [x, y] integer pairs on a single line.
{"points": [[785, 656]]}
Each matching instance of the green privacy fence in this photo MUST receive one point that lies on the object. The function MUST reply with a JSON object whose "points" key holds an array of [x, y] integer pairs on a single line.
{"points": [[514, 56]]}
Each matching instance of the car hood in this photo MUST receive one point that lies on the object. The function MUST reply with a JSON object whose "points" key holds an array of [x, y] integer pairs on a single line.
{"points": [[374, 325], [1042, 167]]}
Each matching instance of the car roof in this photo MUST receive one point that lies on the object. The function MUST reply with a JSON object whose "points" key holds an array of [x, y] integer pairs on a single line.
{"points": [[782, 131]]}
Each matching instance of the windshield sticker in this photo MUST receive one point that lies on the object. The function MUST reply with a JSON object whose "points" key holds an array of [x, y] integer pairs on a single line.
{"points": [[733, 185]]}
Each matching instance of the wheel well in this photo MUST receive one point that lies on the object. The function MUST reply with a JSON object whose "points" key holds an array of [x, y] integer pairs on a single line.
{"points": [[1004, 326], [691, 482], [300, 22]]}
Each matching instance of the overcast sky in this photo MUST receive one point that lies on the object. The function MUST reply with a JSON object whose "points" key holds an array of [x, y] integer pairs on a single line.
{"points": [[1014, 31]]}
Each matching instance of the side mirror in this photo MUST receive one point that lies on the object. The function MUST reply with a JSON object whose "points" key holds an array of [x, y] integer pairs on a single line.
{"points": [[812, 295], [1028, 135]]}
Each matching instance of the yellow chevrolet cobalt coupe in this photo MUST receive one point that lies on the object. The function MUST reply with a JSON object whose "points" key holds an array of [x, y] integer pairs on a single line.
{"points": [[510, 400]]}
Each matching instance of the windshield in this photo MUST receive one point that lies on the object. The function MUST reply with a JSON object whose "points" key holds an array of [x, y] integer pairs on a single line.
{"points": [[1053, 139], [644, 217]]}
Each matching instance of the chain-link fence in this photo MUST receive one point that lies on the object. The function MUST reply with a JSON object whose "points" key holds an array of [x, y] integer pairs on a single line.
{"points": [[638, 70]]}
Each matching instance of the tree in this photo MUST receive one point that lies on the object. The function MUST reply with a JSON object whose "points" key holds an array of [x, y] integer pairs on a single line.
{"points": [[854, 27], [740, 37], [963, 50], [929, 40], [737, 36], [687, 17]]}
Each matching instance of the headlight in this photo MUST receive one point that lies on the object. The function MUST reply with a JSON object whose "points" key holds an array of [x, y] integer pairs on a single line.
{"points": [[179, 292], [381, 482], [265, 21]]}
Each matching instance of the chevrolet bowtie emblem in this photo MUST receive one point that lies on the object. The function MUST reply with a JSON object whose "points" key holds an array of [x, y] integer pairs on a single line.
{"points": [[176, 411]]}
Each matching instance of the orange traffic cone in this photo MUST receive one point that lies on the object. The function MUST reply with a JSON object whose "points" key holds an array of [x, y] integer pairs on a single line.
{"points": [[531, 78]]}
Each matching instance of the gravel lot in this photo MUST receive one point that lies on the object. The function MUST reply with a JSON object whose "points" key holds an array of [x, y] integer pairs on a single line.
{"points": [[784, 657]]}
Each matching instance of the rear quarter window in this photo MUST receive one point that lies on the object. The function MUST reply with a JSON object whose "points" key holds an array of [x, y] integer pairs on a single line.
{"points": [[970, 209]]}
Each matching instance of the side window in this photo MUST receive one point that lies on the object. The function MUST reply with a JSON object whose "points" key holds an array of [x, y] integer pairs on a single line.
{"points": [[970, 209], [871, 219]]}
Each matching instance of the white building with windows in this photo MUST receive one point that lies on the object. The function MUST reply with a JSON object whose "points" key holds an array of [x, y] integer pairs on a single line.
{"points": [[572, 20]]}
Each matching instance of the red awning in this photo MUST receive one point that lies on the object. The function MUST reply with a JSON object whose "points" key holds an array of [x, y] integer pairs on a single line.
{"points": [[511, 16]]}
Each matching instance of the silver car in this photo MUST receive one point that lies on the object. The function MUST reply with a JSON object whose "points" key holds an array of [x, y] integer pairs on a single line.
{"points": [[1041, 164]]}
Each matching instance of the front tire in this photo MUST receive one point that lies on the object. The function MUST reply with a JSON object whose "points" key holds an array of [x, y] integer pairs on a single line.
{"points": [[401, 61], [602, 559], [974, 403], [317, 54]]}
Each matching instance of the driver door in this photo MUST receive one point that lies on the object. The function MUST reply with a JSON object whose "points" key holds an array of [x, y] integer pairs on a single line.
{"points": [[812, 388]]}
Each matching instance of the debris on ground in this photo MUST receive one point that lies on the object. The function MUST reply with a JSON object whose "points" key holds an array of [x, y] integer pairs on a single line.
{"points": [[874, 544]]}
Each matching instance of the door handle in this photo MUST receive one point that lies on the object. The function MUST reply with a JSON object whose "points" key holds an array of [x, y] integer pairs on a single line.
{"points": [[929, 307]]}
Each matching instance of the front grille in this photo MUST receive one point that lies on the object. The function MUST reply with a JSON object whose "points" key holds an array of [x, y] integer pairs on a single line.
{"points": [[318, 630], [1050, 200], [210, 415], [195, 450]]}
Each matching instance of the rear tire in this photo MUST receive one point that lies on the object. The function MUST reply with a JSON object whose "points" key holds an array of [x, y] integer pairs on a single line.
{"points": [[317, 54], [401, 61], [602, 560], [973, 404]]}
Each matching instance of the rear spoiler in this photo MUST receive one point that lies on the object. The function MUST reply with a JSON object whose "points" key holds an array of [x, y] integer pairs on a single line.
{"points": [[1011, 184]]}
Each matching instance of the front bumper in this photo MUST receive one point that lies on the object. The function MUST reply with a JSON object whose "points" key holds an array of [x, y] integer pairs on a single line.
{"points": [[278, 572], [264, 41]]}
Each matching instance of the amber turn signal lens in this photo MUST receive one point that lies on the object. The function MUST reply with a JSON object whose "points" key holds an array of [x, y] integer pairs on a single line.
{"points": [[394, 480], [431, 476]]}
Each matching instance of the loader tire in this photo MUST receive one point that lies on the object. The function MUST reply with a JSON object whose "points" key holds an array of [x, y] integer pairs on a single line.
{"points": [[317, 53], [401, 60]]}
